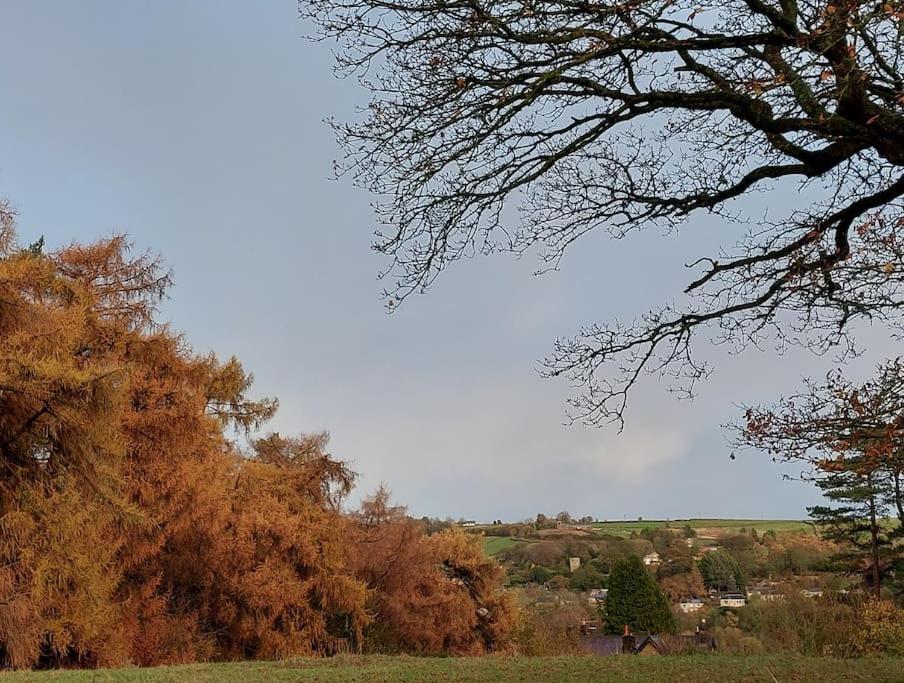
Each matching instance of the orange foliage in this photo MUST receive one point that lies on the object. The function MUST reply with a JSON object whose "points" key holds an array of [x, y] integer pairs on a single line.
{"points": [[132, 529], [682, 586], [432, 594]]}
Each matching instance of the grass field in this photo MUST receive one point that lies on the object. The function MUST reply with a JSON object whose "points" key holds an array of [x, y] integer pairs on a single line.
{"points": [[494, 545], [409, 669], [714, 527], [624, 528]]}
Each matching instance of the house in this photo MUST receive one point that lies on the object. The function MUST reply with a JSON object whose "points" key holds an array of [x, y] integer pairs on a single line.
{"points": [[670, 645], [629, 644], [598, 595], [766, 590], [732, 600], [603, 646], [651, 558], [651, 645], [467, 523], [589, 626], [690, 605]]}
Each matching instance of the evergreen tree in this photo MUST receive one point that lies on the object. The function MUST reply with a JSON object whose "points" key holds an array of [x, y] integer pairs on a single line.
{"points": [[636, 600], [721, 572], [861, 495]]}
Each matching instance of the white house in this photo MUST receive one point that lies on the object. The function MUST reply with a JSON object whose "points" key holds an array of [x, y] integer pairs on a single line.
{"points": [[652, 558], [772, 597], [766, 590], [689, 605], [732, 600]]}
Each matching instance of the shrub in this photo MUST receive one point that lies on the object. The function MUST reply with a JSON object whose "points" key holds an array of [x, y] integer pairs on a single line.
{"points": [[551, 631], [820, 627], [734, 641], [883, 629], [541, 574]]}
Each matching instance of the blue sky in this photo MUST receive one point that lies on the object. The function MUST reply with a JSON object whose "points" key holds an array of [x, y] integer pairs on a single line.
{"points": [[197, 128]]}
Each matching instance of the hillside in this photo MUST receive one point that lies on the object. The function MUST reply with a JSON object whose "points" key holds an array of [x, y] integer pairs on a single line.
{"points": [[705, 528]]}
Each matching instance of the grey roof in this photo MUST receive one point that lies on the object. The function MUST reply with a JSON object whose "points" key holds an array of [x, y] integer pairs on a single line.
{"points": [[604, 645], [614, 645]]}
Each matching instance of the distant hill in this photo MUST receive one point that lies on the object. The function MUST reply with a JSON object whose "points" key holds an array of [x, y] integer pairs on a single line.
{"points": [[704, 527], [710, 529]]}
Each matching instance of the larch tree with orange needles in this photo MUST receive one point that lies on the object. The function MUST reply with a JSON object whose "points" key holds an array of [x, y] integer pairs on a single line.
{"points": [[142, 518], [431, 594], [131, 527]]}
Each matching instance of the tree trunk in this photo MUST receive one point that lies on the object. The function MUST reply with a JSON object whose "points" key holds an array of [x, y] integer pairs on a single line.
{"points": [[874, 536], [899, 503]]}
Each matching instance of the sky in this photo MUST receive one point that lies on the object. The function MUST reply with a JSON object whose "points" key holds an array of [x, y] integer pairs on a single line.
{"points": [[197, 128]]}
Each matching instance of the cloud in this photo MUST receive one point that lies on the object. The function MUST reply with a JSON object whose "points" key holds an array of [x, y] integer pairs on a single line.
{"points": [[632, 458]]}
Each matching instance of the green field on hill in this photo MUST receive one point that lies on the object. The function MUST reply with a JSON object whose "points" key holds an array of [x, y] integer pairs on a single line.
{"points": [[769, 669], [494, 545], [497, 544], [623, 528]]}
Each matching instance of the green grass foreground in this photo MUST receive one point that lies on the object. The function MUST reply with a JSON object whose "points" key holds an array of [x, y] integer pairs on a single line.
{"points": [[501, 668]]}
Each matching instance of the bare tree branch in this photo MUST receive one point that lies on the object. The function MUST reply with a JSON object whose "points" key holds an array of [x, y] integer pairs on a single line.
{"points": [[624, 115]]}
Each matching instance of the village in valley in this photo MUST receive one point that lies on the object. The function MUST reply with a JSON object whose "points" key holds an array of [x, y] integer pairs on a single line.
{"points": [[714, 574]]}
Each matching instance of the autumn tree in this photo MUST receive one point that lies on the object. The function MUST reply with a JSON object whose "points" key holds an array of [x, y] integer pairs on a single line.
{"points": [[614, 117], [830, 421], [279, 577], [66, 319], [143, 517], [133, 528], [430, 594], [849, 438], [684, 585], [177, 476]]}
